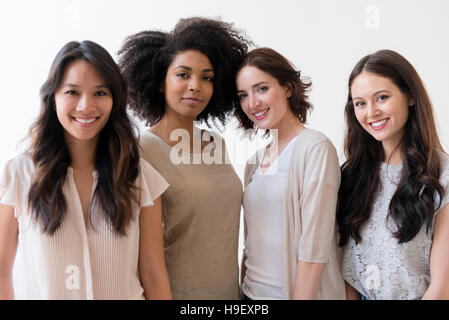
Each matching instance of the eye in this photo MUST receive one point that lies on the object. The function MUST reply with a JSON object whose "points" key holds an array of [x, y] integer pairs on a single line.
{"points": [[359, 104], [182, 75], [101, 93], [71, 92], [382, 97], [262, 89], [208, 78], [242, 96]]}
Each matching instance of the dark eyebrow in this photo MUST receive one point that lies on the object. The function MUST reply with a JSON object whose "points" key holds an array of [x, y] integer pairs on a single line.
{"points": [[254, 85], [190, 69], [77, 86], [374, 94]]}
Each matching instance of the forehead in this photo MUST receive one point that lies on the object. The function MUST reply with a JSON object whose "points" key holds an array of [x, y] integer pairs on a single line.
{"points": [[191, 58], [249, 75], [367, 83], [81, 72]]}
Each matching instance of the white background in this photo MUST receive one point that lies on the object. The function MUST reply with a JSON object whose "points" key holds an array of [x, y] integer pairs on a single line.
{"points": [[323, 38]]}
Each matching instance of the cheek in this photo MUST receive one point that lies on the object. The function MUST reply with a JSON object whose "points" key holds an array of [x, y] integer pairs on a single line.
{"points": [[360, 116]]}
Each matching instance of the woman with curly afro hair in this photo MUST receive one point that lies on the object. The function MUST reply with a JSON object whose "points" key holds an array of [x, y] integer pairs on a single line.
{"points": [[175, 79]]}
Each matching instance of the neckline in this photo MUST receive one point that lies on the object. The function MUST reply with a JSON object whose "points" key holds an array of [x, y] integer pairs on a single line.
{"points": [[267, 171], [94, 173], [180, 151]]}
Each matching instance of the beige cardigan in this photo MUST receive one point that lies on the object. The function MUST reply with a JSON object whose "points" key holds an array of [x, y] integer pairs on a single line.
{"points": [[309, 230]]}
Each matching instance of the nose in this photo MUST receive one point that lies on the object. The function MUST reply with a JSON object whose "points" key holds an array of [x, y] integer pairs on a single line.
{"points": [[194, 85], [86, 104], [372, 110], [253, 102]]}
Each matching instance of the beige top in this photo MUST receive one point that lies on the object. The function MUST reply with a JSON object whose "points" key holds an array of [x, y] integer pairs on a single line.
{"points": [[201, 214], [309, 229], [76, 262]]}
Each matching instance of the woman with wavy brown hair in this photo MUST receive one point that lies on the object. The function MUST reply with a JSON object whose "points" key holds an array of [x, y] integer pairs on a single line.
{"points": [[291, 188], [80, 205], [393, 211]]}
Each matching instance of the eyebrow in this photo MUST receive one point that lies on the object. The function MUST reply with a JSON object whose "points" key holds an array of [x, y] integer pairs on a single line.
{"points": [[190, 69], [254, 85], [375, 93], [77, 86]]}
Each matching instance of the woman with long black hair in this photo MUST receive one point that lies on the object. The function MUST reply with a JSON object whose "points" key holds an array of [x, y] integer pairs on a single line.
{"points": [[81, 206]]}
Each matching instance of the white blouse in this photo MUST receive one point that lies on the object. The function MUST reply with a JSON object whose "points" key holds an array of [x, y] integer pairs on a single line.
{"points": [[75, 262], [263, 205]]}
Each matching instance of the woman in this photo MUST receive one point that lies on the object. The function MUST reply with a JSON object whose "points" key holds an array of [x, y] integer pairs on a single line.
{"points": [[80, 205], [175, 79], [290, 188], [393, 215]]}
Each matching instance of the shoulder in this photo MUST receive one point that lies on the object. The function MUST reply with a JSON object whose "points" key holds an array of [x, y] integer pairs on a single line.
{"points": [[21, 166], [311, 141]]}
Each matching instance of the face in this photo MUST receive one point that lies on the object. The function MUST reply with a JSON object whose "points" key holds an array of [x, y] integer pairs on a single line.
{"points": [[83, 102], [262, 98], [380, 107], [189, 84]]}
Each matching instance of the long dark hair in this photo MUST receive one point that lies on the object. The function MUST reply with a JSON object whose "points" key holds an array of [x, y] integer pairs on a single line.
{"points": [[117, 156], [412, 205], [276, 65]]}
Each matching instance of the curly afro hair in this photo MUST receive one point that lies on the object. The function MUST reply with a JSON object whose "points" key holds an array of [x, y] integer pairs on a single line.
{"points": [[145, 57], [276, 65]]}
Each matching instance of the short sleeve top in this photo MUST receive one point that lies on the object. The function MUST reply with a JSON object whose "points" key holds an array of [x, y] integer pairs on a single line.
{"points": [[201, 216], [75, 262], [379, 267]]}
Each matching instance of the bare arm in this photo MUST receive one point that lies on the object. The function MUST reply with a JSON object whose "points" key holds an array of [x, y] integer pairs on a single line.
{"points": [[8, 247], [307, 280], [152, 269], [439, 258], [351, 293]]}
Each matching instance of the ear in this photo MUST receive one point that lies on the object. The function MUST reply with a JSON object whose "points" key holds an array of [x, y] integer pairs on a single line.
{"points": [[162, 88], [411, 102], [288, 91]]}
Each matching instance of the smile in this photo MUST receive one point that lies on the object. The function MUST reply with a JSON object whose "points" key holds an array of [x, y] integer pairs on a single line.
{"points": [[261, 114], [85, 122], [378, 125], [192, 100]]}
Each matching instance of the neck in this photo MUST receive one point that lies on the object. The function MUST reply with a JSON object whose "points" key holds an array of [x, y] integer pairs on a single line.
{"points": [[169, 123], [82, 154], [288, 129], [393, 154]]}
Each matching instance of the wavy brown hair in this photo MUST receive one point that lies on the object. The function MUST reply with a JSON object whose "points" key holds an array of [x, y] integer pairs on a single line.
{"points": [[117, 155], [276, 65], [412, 205]]}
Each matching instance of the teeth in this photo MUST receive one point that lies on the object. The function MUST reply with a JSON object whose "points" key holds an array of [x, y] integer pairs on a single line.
{"points": [[261, 113], [86, 121], [378, 123]]}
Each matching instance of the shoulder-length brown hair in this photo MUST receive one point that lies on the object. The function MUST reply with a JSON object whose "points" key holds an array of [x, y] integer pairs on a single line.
{"points": [[277, 66], [412, 205], [117, 156]]}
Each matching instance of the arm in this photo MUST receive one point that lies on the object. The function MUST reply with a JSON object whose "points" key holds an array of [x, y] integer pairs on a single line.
{"points": [[307, 280], [152, 269], [439, 258], [351, 293], [242, 274], [8, 248]]}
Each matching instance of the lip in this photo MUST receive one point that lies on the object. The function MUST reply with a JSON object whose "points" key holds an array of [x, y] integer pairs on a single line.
{"points": [[85, 125], [192, 100], [262, 116], [381, 126]]}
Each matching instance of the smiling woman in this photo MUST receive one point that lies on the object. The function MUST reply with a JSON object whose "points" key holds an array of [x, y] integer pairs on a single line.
{"points": [[80, 205], [393, 211]]}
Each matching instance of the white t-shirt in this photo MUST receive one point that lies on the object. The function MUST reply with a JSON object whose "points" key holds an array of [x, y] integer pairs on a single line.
{"points": [[263, 205], [75, 262]]}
